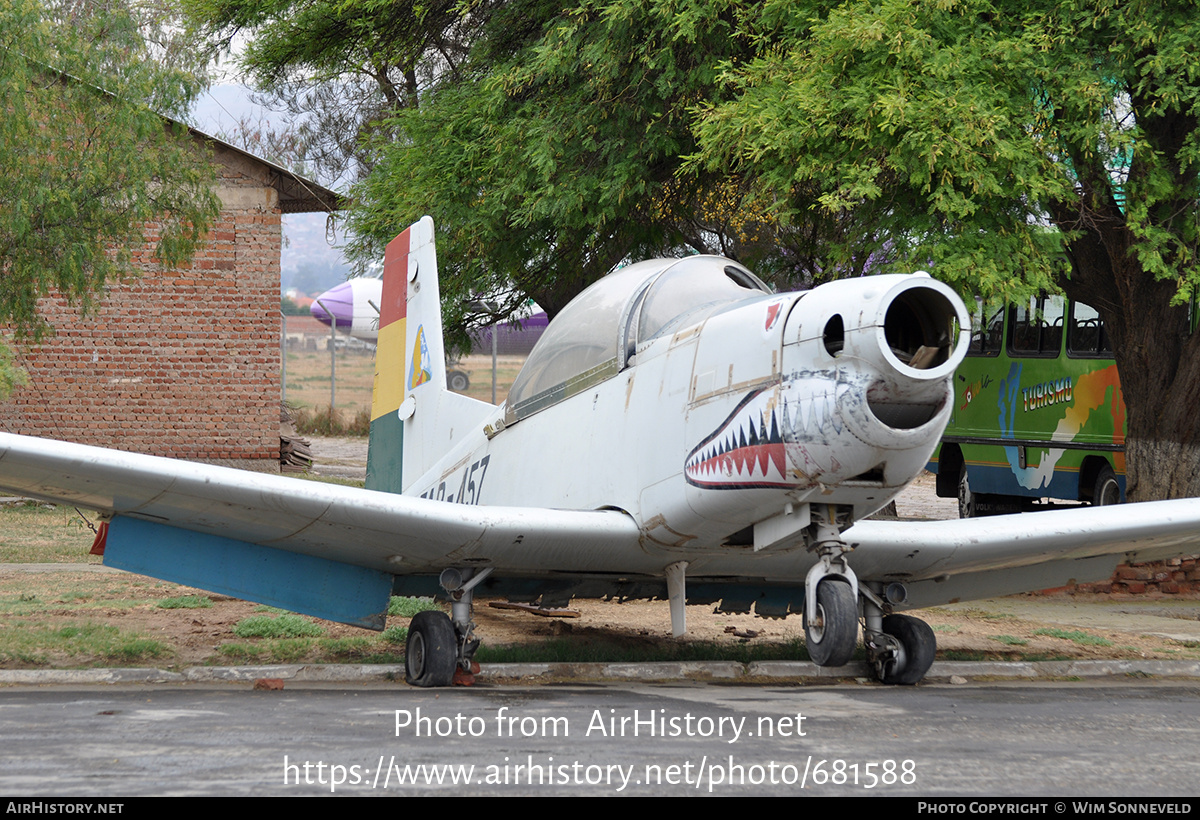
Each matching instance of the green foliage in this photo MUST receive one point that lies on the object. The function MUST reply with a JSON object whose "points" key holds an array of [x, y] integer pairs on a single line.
{"points": [[995, 141], [89, 169], [87, 643], [282, 626], [395, 635], [12, 375], [1075, 636], [408, 607], [551, 156], [545, 140], [1010, 640], [288, 307], [185, 602]]}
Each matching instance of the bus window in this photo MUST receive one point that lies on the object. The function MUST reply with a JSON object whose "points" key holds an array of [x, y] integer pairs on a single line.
{"points": [[1034, 422], [1086, 334], [1036, 328], [986, 336]]}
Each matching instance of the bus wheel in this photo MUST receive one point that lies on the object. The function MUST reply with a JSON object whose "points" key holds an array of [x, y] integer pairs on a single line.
{"points": [[966, 501], [1106, 490]]}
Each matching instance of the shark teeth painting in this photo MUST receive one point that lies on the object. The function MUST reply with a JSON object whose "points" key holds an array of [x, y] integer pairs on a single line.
{"points": [[745, 452]]}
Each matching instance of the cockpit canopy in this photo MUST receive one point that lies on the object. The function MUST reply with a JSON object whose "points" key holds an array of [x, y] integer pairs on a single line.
{"points": [[597, 335]]}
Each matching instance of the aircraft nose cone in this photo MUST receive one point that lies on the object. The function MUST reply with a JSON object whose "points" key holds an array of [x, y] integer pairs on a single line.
{"points": [[335, 303]]}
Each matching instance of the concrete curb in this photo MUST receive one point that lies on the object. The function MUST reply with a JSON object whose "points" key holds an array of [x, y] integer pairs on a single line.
{"points": [[669, 671]]}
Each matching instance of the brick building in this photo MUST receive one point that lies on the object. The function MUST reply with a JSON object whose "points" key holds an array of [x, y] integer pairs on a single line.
{"points": [[181, 363]]}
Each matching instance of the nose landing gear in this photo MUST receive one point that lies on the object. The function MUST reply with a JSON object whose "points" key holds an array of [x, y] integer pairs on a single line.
{"points": [[899, 647]]}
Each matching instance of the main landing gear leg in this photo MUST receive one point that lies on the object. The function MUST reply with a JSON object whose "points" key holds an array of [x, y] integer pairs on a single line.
{"points": [[440, 650], [900, 647]]}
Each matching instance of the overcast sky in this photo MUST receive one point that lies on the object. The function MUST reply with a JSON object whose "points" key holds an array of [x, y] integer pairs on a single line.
{"points": [[217, 112]]}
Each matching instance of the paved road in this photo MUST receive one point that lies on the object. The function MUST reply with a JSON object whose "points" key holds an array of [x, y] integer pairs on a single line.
{"points": [[1087, 739]]}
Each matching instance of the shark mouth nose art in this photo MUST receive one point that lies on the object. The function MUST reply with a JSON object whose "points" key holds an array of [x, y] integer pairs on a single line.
{"points": [[745, 452]]}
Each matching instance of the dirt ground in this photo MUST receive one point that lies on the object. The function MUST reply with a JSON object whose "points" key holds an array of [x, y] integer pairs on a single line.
{"points": [[197, 635]]}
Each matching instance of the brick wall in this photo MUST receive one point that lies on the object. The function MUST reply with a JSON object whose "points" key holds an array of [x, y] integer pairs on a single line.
{"points": [[1175, 576], [181, 363]]}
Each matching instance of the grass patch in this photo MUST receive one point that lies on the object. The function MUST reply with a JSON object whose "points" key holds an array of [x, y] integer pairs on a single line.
{"points": [[945, 628], [308, 379], [35, 594], [359, 650], [281, 626], [1009, 640], [1075, 636], [85, 644], [329, 421], [282, 650], [241, 652], [185, 602], [408, 607], [44, 534], [356, 649], [395, 634]]}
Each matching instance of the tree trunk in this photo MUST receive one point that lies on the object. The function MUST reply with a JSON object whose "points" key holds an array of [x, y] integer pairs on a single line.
{"points": [[1159, 362], [1158, 358]]}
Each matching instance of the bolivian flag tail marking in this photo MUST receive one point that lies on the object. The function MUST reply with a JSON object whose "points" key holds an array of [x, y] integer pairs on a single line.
{"points": [[386, 450]]}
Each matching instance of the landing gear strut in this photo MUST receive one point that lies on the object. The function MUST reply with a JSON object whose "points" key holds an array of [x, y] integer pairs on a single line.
{"points": [[900, 647], [830, 593], [441, 650]]}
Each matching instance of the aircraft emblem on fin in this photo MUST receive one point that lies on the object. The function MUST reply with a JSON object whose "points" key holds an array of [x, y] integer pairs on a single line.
{"points": [[421, 370]]}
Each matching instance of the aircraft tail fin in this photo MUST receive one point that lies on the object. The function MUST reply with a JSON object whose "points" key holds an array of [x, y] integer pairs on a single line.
{"points": [[410, 366]]}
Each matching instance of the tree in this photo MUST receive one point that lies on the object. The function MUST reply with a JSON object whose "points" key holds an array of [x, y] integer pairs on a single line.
{"points": [[90, 171], [546, 139], [338, 67], [1011, 147]]}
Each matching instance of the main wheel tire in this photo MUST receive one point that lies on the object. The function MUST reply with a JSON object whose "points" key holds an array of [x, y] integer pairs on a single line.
{"points": [[966, 500], [459, 381], [833, 633], [1106, 490], [918, 647], [431, 653]]}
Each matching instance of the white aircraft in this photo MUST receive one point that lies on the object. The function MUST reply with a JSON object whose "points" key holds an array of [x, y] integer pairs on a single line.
{"points": [[354, 305], [679, 432]]}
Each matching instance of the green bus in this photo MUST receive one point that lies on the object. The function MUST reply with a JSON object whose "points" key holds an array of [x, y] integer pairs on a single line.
{"points": [[1038, 412]]}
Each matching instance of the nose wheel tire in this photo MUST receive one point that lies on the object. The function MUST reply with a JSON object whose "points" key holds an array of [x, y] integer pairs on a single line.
{"points": [[431, 653], [917, 648], [832, 633]]}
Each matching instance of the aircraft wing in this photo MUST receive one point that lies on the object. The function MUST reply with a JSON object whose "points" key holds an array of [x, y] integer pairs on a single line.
{"points": [[947, 561], [196, 524], [332, 551]]}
